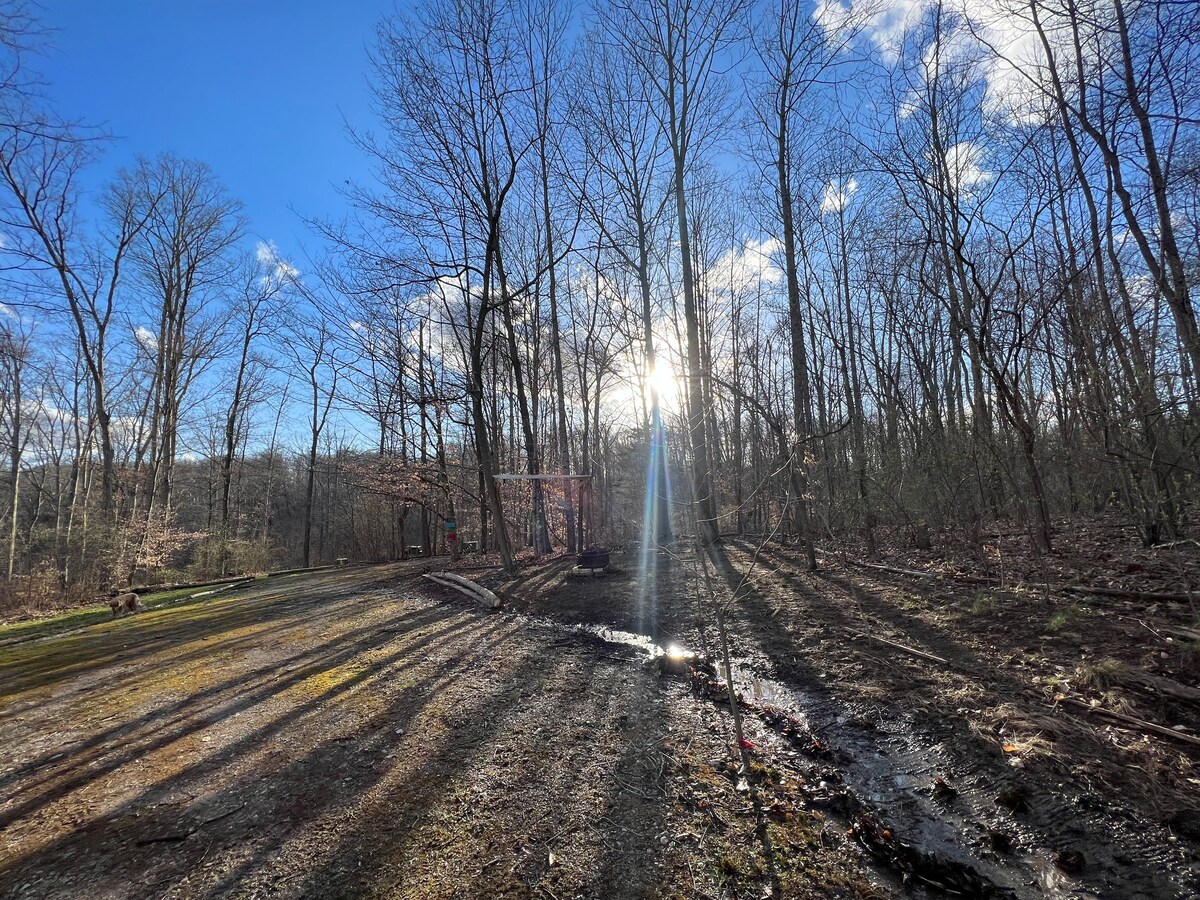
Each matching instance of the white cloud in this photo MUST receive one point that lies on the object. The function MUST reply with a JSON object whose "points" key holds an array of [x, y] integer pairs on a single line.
{"points": [[884, 22], [746, 267], [993, 39], [125, 429], [964, 165], [146, 339], [279, 270], [47, 412], [1144, 291], [838, 194]]}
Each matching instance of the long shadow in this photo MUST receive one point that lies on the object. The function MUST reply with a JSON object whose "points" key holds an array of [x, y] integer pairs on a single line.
{"points": [[157, 721], [146, 735], [919, 632], [639, 601], [628, 867], [294, 812], [273, 625], [142, 818], [541, 802], [533, 585], [760, 620], [1048, 818], [385, 827], [143, 666], [915, 631]]}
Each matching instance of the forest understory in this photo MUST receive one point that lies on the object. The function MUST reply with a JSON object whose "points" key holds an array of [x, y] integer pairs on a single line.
{"points": [[364, 733]]}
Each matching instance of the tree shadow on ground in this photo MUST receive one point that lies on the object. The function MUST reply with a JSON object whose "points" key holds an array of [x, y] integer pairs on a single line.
{"points": [[521, 778], [45, 664], [787, 616], [113, 748], [346, 766], [153, 815]]}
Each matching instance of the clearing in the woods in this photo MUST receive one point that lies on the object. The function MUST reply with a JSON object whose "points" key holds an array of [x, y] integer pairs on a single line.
{"points": [[362, 732]]}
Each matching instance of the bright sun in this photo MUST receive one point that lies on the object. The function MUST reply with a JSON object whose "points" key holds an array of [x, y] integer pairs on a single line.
{"points": [[663, 381]]}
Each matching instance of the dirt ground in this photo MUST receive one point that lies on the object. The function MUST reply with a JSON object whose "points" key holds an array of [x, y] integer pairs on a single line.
{"points": [[363, 733], [357, 734]]}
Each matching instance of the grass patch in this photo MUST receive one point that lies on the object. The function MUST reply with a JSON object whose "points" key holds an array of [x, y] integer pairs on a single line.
{"points": [[1101, 675], [17, 632], [984, 604], [88, 615], [1062, 619]]}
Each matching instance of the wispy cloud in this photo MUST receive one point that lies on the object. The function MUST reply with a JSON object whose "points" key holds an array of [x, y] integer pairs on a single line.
{"points": [[747, 267], [993, 41], [838, 194], [964, 163], [278, 270]]}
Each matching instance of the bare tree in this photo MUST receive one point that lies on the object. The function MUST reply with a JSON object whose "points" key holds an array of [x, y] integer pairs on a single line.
{"points": [[680, 50], [183, 257], [311, 346]]}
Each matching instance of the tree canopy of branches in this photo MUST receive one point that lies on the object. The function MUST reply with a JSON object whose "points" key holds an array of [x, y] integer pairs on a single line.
{"points": [[823, 271]]}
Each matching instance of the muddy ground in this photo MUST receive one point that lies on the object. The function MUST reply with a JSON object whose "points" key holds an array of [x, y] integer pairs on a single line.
{"points": [[364, 733], [968, 720]]}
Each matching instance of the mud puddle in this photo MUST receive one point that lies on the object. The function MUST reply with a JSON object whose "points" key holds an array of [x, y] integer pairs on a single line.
{"points": [[882, 809], [1034, 834], [947, 822]]}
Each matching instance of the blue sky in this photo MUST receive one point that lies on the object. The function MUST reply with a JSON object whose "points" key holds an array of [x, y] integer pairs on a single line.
{"points": [[257, 89]]}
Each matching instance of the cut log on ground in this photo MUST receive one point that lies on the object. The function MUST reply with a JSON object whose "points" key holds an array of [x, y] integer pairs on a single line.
{"points": [[1165, 686], [1144, 596], [1098, 591], [465, 586], [1190, 634]]}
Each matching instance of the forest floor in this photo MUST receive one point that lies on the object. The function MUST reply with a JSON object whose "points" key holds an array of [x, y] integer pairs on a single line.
{"points": [[360, 733]]}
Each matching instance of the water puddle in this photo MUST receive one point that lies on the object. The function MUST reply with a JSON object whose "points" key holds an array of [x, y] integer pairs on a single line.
{"points": [[906, 791], [882, 780]]}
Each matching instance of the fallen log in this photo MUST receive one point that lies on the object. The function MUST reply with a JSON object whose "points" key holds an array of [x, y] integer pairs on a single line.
{"points": [[184, 585], [1165, 686], [222, 588], [910, 650], [490, 599], [896, 570], [1131, 722], [912, 573], [1147, 596], [465, 586], [232, 579], [1097, 590]]}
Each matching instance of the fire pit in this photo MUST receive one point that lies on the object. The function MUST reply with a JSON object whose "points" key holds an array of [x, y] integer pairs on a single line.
{"points": [[594, 558]]}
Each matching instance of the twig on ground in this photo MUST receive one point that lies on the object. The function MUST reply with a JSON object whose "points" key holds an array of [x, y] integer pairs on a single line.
{"points": [[911, 650], [1130, 721]]}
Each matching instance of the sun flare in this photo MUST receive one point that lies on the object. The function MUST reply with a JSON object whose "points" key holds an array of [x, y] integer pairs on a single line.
{"points": [[662, 381]]}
